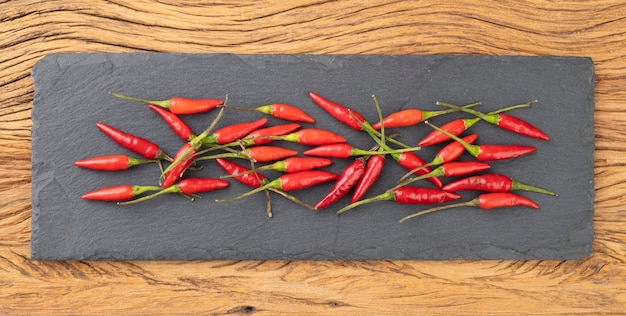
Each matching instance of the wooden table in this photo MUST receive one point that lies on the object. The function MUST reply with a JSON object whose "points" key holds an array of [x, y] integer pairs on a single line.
{"points": [[33, 28]]}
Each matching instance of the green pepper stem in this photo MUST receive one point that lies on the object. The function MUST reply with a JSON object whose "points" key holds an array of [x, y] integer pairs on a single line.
{"points": [[472, 149], [170, 189], [161, 103], [386, 196], [272, 184], [525, 187], [472, 203], [453, 108], [292, 198], [404, 181]]}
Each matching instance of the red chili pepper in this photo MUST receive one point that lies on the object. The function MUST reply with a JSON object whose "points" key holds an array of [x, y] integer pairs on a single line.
{"points": [[453, 150], [449, 169], [411, 161], [484, 201], [178, 105], [177, 171], [118, 193], [373, 169], [292, 181], [339, 112], [136, 144], [286, 112], [256, 153], [408, 195], [295, 164], [110, 163], [491, 152], [174, 122], [410, 117], [492, 183], [346, 150], [251, 179], [259, 136], [187, 186], [348, 179], [233, 132], [312, 136]]}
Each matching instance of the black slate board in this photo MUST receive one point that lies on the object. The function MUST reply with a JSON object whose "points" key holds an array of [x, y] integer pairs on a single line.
{"points": [[71, 95]]}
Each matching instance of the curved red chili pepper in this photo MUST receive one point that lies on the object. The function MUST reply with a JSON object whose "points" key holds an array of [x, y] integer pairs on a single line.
{"points": [[348, 179], [456, 127], [185, 186], [174, 122], [286, 112], [339, 112], [251, 179], [178, 105], [373, 169], [453, 150], [313, 136], [118, 193], [411, 161], [484, 201], [136, 144], [177, 171], [292, 181], [233, 132], [492, 183], [295, 164], [260, 136], [408, 195], [449, 169], [110, 163]]}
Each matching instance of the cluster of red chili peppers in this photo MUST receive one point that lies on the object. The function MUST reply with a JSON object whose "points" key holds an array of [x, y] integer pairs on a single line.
{"points": [[247, 141]]}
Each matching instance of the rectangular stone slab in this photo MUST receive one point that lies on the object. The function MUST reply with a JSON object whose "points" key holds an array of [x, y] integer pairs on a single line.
{"points": [[71, 95]]}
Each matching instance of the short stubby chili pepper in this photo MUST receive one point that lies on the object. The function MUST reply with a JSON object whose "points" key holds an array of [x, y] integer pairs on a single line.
{"points": [[312, 136], [345, 115], [493, 182], [177, 171], [264, 153], [260, 136], [348, 179], [136, 144], [174, 122], [491, 152], [110, 162], [408, 195], [410, 117], [286, 112], [233, 132], [449, 169], [411, 161], [484, 201], [292, 181], [250, 179], [189, 186], [373, 169], [178, 105], [346, 150], [118, 193]]}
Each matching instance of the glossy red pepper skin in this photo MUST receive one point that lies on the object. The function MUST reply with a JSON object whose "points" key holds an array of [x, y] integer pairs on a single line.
{"points": [[117, 193], [295, 164], [173, 175], [502, 152], [179, 105], [519, 126], [488, 201], [269, 153], [286, 112], [493, 183], [199, 185], [408, 117], [136, 144], [419, 195], [174, 122], [109, 163], [314, 136], [348, 179], [252, 179], [453, 150], [305, 179], [456, 127], [373, 169], [461, 168], [338, 111], [257, 137], [410, 161], [332, 151], [233, 132]]}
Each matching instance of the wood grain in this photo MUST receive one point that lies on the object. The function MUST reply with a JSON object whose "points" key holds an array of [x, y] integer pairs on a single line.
{"points": [[31, 29]]}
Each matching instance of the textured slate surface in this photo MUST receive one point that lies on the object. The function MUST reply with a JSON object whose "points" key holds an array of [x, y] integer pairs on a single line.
{"points": [[71, 95]]}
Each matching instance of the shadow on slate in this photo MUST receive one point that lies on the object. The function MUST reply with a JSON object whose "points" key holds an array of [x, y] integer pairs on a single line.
{"points": [[71, 95]]}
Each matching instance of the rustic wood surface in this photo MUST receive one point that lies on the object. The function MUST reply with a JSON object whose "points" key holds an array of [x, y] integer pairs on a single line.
{"points": [[30, 29]]}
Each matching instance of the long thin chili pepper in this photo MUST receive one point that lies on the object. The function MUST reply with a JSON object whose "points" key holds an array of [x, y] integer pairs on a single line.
{"points": [[282, 111], [187, 186], [484, 201], [411, 161], [259, 136], [176, 172], [339, 112], [505, 121], [346, 150], [292, 181], [449, 169], [348, 179], [118, 193], [458, 126], [311, 136], [136, 144], [291, 164], [264, 153], [233, 132], [410, 117], [178, 105], [174, 122], [373, 169], [241, 174], [493, 183], [407, 195], [490, 152], [111, 162]]}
